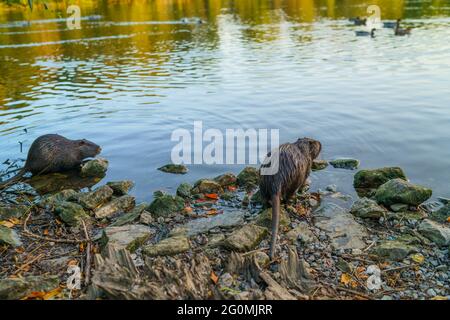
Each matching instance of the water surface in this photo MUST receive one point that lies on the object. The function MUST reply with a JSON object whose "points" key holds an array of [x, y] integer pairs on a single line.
{"points": [[135, 72]]}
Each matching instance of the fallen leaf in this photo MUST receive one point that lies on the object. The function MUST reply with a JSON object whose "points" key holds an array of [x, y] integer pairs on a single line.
{"points": [[14, 220], [211, 212], [439, 298], [52, 293], [448, 219], [72, 262], [46, 232], [7, 224], [214, 277], [232, 188], [187, 209], [214, 196], [347, 280]]}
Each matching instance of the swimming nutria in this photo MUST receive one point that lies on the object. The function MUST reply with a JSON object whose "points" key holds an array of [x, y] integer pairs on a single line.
{"points": [[295, 161], [54, 153]]}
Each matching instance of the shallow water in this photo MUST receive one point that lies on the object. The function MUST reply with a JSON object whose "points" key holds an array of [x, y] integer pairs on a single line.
{"points": [[127, 79]]}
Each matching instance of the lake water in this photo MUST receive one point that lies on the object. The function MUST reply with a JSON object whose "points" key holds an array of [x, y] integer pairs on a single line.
{"points": [[130, 77]]}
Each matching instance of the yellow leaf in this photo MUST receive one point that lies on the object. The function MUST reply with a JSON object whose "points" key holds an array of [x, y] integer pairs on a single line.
{"points": [[418, 258], [7, 224], [51, 294], [14, 220], [345, 278], [448, 219]]}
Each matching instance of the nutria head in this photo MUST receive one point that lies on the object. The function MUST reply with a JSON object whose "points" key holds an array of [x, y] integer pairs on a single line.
{"points": [[314, 147], [87, 148]]}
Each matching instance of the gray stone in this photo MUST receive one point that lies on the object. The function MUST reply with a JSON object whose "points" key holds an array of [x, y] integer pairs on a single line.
{"points": [[168, 247], [17, 288], [64, 195], [394, 250], [94, 168], [121, 188], [131, 216], [118, 205], [94, 199], [9, 236], [401, 191], [301, 232], [399, 207], [146, 218], [130, 236], [345, 163], [367, 208], [442, 214], [340, 226], [436, 232], [228, 219], [71, 213], [245, 238]]}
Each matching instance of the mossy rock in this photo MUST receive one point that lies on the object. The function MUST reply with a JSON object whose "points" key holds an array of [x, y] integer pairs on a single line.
{"points": [[246, 238], [248, 178], [401, 191], [394, 250], [94, 168], [71, 213], [264, 219], [184, 190], [7, 212], [121, 188], [207, 186], [168, 247], [166, 205], [226, 179], [319, 164], [174, 168], [345, 163], [373, 178]]}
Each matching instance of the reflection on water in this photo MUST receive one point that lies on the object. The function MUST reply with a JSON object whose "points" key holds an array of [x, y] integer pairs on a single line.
{"points": [[136, 71]]}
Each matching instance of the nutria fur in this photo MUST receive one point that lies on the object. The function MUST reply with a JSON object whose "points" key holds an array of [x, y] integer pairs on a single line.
{"points": [[295, 161], [54, 153]]}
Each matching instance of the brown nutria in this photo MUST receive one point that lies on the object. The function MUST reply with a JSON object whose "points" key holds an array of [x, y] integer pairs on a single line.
{"points": [[54, 153], [295, 161]]}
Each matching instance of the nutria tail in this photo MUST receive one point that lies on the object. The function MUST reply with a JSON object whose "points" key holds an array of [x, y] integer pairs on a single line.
{"points": [[13, 180], [275, 222]]}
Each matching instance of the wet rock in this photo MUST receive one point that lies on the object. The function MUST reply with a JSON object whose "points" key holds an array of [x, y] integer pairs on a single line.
{"points": [[121, 188], [399, 207], [401, 191], [261, 258], [64, 195], [165, 205], [228, 219], [436, 232], [432, 206], [168, 247], [264, 219], [94, 168], [131, 216], [146, 218], [56, 263], [319, 164], [8, 212], [340, 226], [301, 232], [130, 236], [207, 186], [331, 188], [71, 213], [374, 178], [345, 163], [444, 200], [245, 238], [442, 214], [17, 288], [184, 190], [174, 168], [226, 280], [117, 205], [344, 266], [248, 178], [227, 179], [394, 250], [216, 240], [367, 208], [9, 236], [94, 199]]}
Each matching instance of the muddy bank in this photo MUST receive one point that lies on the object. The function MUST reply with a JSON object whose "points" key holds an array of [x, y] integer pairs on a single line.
{"points": [[210, 240]]}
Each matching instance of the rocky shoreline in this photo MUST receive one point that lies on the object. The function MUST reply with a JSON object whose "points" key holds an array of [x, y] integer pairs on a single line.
{"points": [[210, 240]]}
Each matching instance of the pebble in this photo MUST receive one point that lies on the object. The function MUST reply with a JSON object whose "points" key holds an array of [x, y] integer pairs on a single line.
{"points": [[431, 292]]}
